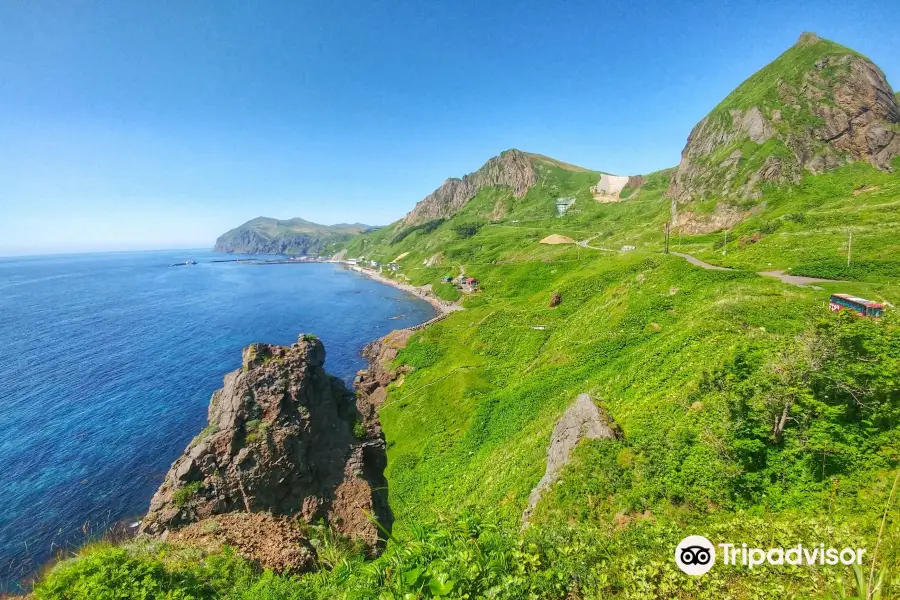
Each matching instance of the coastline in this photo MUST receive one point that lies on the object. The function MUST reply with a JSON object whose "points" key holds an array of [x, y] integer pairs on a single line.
{"points": [[423, 293]]}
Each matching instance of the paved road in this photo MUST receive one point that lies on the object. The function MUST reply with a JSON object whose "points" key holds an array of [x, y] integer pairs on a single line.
{"points": [[798, 280], [700, 263]]}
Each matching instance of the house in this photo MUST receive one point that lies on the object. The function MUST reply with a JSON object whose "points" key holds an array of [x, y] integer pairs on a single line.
{"points": [[394, 267], [352, 261], [861, 306], [447, 279], [375, 264]]}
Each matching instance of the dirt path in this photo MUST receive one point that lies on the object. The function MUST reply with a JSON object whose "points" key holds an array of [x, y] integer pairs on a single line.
{"points": [[797, 280]]}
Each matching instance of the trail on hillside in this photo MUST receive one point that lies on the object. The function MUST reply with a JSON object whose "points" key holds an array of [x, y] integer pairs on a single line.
{"points": [[797, 280]]}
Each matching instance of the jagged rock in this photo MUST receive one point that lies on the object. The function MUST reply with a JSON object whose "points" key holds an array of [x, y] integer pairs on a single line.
{"points": [[838, 108], [583, 420], [513, 169], [280, 440]]}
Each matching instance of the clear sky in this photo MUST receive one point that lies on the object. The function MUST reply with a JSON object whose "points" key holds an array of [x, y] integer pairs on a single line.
{"points": [[161, 124]]}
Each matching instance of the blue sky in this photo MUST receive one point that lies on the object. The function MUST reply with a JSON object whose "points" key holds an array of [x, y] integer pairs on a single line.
{"points": [[162, 124]]}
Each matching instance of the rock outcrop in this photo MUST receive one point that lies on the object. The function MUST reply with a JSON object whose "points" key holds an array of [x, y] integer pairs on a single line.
{"points": [[816, 107], [513, 169], [583, 420], [284, 437], [371, 384]]}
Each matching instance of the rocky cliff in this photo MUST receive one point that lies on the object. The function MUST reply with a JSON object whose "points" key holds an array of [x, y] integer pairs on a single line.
{"points": [[294, 236], [816, 107], [283, 438], [513, 169]]}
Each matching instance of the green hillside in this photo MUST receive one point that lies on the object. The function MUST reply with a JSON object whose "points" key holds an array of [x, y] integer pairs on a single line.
{"points": [[263, 235], [749, 413]]}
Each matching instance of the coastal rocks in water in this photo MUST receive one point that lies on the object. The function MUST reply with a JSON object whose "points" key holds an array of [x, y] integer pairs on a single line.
{"points": [[583, 420], [371, 384], [280, 440]]}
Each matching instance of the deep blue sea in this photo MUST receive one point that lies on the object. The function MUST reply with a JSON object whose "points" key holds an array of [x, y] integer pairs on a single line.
{"points": [[108, 361]]}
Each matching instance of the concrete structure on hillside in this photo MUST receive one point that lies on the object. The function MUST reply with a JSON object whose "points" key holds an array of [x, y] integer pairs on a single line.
{"points": [[563, 205], [610, 185]]}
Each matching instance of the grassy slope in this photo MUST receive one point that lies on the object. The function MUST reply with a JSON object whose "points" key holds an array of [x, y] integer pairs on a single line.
{"points": [[806, 228], [763, 91], [681, 357]]}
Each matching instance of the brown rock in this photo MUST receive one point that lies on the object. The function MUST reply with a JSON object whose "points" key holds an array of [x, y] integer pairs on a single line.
{"points": [[269, 541], [555, 299], [513, 169], [280, 439]]}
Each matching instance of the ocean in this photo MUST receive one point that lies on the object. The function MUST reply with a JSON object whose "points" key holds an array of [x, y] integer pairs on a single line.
{"points": [[108, 361]]}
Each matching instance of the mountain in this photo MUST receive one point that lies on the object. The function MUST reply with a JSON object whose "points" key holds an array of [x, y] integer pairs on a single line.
{"points": [[263, 235], [513, 169], [612, 395], [816, 107]]}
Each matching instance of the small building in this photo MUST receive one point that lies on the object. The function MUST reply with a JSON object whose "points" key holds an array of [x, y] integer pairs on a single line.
{"points": [[394, 267], [564, 204], [447, 279], [861, 306], [352, 261], [627, 248], [375, 264]]}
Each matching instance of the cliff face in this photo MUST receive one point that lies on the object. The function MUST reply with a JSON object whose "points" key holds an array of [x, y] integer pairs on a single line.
{"points": [[280, 440], [816, 107], [513, 169]]}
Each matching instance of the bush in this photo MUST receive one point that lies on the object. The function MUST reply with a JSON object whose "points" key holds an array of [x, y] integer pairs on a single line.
{"points": [[184, 494], [467, 230]]}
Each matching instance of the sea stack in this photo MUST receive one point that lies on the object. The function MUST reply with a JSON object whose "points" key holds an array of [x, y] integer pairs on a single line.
{"points": [[286, 438]]}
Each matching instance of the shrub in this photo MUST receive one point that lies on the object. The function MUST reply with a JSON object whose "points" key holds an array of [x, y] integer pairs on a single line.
{"points": [[186, 493]]}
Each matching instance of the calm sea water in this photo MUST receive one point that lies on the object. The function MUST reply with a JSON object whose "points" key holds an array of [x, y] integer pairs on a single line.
{"points": [[108, 361]]}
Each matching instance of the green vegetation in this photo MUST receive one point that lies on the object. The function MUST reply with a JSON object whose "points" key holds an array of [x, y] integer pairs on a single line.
{"points": [[750, 413], [186, 493]]}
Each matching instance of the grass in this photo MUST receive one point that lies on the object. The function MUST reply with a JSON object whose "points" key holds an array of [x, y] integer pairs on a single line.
{"points": [[695, 366]]}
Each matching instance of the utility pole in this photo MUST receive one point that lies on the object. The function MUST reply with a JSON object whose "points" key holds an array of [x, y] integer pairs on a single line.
{"points": [[667, 237], [849, 247]]}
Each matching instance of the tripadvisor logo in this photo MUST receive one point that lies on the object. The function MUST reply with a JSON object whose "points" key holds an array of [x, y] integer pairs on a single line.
{"points": [[695, 555]]}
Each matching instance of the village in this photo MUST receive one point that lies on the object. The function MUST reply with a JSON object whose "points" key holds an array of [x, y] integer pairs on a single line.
{"points": [[463, 283]]}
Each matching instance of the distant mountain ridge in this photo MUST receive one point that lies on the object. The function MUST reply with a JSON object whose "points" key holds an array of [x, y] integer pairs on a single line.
{"points": [[264, 235]]}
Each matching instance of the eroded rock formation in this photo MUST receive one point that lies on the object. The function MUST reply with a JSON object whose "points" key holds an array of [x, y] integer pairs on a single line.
{"points": [[284, 437], [837, 108], [583, 420], [513, 169]]}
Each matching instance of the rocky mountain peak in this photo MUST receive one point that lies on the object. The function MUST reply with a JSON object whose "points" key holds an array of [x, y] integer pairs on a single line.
{"points": [[280, 440], [807, 38], [513, 169], [816, 107]]}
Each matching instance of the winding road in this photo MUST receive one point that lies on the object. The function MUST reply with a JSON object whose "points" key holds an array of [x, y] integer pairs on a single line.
{"points": [[798, 280]]}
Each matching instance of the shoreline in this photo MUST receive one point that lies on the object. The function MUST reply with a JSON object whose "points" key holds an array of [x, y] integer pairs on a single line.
{"points": [[423, 293]]}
